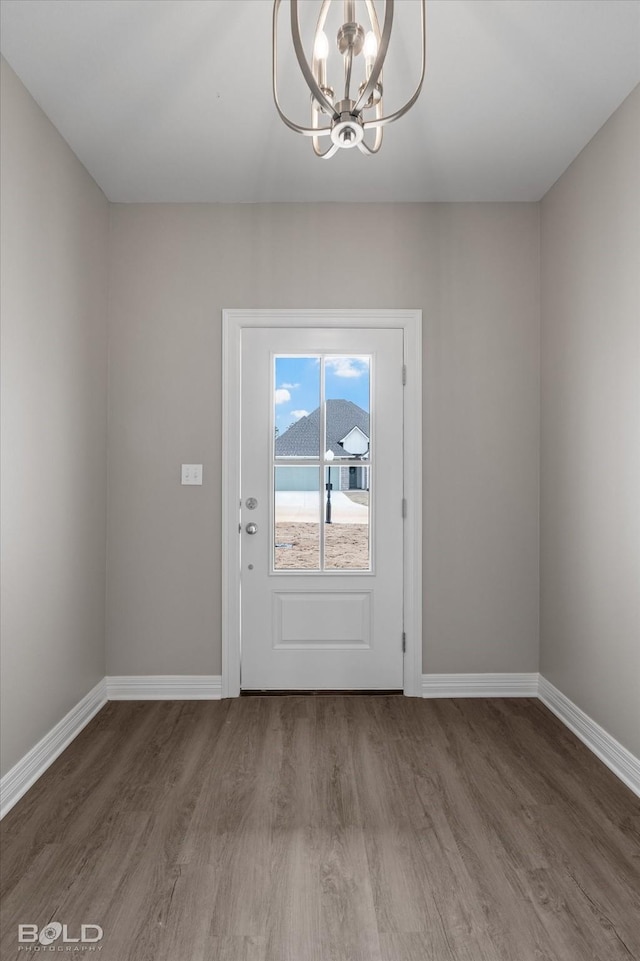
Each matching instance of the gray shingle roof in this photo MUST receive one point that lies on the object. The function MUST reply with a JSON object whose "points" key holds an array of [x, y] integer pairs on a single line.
{"points": [[302, 439]]}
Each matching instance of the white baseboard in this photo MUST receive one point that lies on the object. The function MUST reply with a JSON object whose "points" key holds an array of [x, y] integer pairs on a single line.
{"points": [[479, 685], [165, 687], [621, 761], [26, 772], [35, 762]]}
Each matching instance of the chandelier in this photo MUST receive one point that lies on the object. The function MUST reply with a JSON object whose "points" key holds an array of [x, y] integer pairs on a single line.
{"points": [[347, 111]]}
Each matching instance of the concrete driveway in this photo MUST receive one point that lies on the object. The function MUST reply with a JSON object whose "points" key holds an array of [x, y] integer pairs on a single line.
{"points": [[303, 507]]}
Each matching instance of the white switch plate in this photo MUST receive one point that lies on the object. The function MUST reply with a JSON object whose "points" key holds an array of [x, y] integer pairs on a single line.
{"points": [[192, 473]]}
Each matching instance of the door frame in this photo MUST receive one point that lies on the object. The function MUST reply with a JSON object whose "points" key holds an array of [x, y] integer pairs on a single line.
{"points": [[234, 321]]}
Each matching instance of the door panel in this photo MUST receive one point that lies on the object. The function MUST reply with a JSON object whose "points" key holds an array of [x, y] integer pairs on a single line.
{"points": [[321, 575], [321, 621]]}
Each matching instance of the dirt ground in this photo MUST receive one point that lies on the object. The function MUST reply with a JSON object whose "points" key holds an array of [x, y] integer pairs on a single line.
{"points": [[346, 547]]}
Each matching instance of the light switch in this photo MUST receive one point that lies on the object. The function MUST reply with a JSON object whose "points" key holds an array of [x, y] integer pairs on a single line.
{"points": [[192, 473]]}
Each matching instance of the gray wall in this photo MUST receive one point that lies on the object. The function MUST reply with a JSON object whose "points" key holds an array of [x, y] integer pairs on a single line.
{"points": [[474, 271], [55, 225], [590, 477]]}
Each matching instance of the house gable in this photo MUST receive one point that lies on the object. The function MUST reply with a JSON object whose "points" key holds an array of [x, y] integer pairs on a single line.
{"points": [[355, 442]]}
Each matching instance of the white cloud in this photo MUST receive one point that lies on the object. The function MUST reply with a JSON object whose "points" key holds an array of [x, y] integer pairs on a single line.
{"points": [[282, 395], [289, 386], [297, 414], [348, 366]]}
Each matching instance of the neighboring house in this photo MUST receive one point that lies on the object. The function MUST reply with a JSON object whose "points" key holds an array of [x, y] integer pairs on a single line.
{"points": [[347, 430]]}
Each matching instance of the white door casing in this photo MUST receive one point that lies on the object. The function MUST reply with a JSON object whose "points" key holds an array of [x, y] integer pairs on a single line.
{"points": [[269, 610]]}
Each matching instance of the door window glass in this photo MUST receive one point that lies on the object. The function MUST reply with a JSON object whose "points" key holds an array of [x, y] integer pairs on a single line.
{"points": [[297, 519], [322, 516], [346, 519], [296, 402], [346, 389]]}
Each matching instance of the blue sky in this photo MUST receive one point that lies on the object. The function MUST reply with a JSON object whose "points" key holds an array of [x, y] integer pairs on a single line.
{"points": [[298, 385]]}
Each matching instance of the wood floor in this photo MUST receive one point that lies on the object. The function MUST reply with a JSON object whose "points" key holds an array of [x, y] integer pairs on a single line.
{"points": [[328, 829]]}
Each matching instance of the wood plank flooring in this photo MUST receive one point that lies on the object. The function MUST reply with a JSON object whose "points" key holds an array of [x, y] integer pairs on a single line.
{"points": [[329, 828]]}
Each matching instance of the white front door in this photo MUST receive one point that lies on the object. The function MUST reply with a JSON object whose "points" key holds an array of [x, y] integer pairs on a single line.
{"points": [[321, 509]]}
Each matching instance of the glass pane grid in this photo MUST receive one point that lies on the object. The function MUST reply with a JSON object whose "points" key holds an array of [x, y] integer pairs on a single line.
{"points": [[322, 464]]}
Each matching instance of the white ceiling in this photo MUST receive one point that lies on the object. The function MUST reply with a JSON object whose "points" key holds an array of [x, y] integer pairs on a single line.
{"points": [[170, 100]]}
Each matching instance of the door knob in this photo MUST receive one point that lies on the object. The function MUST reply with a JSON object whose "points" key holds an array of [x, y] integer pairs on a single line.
{"points": [[251, 528]]}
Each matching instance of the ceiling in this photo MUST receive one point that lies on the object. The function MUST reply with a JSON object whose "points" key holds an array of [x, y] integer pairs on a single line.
{"points": [[170, 100]]}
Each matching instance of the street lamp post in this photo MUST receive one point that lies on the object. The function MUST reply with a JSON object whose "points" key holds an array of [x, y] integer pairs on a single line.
{"points": [[329, 455]]}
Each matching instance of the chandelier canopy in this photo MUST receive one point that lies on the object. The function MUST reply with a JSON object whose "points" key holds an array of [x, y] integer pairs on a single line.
{"points": [[345, 109]]}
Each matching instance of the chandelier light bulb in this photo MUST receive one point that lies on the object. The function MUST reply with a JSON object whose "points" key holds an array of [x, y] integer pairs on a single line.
{"points": [[370, 48], [370, 51], [321, 46]]}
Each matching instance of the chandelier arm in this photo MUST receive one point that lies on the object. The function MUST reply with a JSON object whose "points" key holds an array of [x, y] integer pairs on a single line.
{"points": [[364, 147], [376, 70], [383, 121], [328, 153], [322, 16], [348, 65], [373, 17], [305, 131], [307, 73], [315, 141]]}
